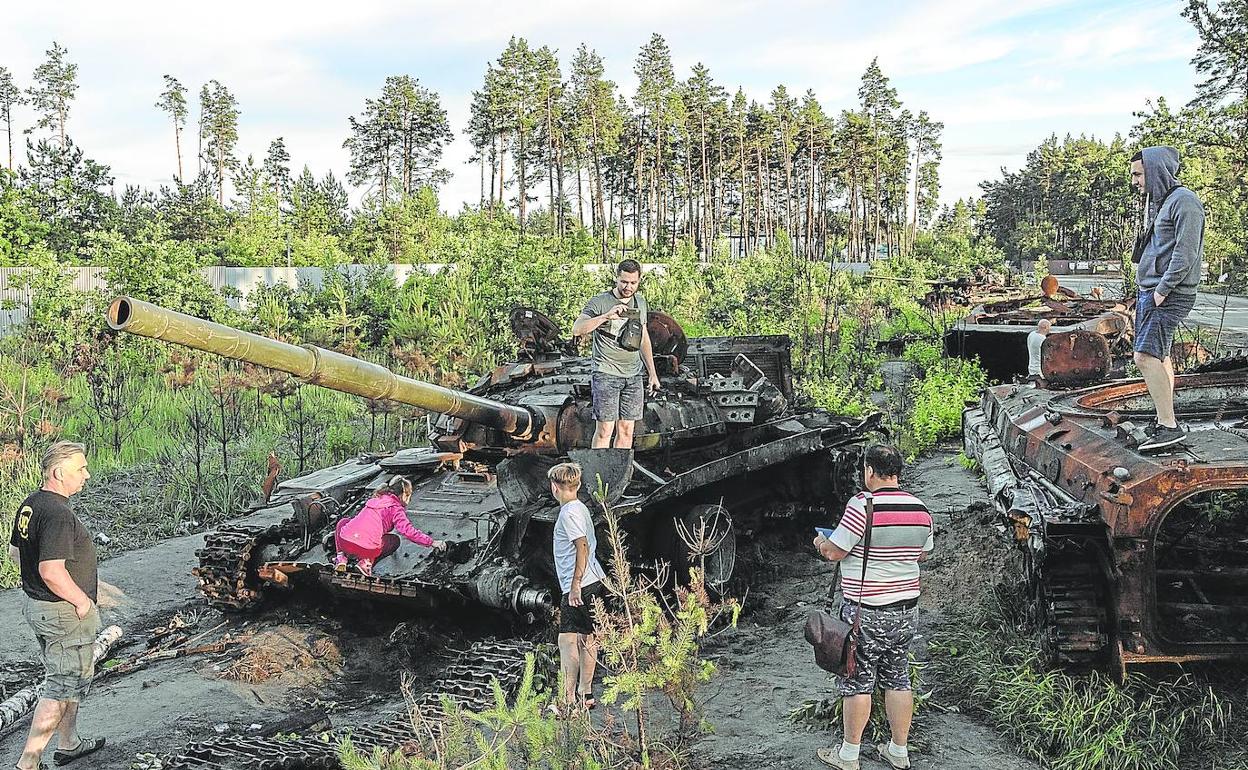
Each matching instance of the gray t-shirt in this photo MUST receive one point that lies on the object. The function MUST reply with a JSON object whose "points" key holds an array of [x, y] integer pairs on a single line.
{"points": [[575, 522], [1034, 341], [608, 356]]}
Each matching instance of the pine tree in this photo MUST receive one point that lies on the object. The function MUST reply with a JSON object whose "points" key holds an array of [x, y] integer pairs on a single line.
{"points": [[705, 103], [597, 126], [277, 170], [173, 101], [10, 96], [925, 138], [397, 140], [219, 129], [658, 105], [53, 90]]}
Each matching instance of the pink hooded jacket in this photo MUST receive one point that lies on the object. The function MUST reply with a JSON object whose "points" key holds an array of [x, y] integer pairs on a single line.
{"points": [[378, 517]]}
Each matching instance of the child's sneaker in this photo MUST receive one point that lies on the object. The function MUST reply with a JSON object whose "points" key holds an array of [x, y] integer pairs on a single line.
{"points": [[365, 566], [340, 562]]}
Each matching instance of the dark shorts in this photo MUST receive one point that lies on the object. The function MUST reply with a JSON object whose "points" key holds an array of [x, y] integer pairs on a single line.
{"points": [[617, 398], [883, 650], [1155, 326], [67, 645], [579, 620]]}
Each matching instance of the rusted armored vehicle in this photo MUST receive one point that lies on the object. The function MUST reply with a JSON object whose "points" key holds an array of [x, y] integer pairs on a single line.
{"points": [[1130, 558], [1090, 338], [721, 447]]}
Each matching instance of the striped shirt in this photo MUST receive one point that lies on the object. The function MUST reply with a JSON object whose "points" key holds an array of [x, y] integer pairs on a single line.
{"points": [[900, 534]]}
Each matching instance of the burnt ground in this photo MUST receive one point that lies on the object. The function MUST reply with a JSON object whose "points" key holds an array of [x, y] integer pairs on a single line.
{"points": [[766, 669]]}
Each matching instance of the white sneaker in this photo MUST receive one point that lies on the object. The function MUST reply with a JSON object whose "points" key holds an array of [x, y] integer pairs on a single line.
{"points": [[900, 763], [831, 756]]}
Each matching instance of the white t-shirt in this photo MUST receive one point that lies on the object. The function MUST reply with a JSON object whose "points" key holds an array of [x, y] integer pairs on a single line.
{"points": [[575, 522], [1034, 341]]}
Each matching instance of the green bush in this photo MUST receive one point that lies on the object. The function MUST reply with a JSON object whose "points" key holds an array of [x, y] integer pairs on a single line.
{"points": [[942, 395]]}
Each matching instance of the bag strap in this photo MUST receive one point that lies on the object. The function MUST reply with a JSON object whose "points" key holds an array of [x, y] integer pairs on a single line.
{"points": [[866, 553], [1147, 235], [632, 302]]}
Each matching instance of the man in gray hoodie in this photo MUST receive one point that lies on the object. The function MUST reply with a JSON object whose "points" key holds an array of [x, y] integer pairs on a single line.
{"points": [[1168, 255]]}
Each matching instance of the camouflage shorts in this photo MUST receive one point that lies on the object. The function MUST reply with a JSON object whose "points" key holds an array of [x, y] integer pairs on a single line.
{"points": [[883, 650]]}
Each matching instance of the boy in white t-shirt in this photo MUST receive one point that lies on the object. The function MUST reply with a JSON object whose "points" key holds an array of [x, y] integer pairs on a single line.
{"points": [[580, 579]]}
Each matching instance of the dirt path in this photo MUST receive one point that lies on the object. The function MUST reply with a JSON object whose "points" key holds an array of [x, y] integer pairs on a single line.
{"points": [[765, 666], [766, 669]]}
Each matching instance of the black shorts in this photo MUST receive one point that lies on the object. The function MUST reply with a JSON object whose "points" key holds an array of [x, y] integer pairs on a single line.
{"points": [[580, 620]]}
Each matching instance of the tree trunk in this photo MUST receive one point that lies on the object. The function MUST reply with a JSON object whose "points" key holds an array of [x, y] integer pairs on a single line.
{"points": [[177, 143], [521, 180], [744, 189], [603, 221], [559, 185]]}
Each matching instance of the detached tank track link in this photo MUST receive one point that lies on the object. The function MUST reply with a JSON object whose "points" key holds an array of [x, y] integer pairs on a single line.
{"points": [[466, 681], [225, 563]]}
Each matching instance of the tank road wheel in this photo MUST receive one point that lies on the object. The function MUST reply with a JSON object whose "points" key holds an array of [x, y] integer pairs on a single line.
{"points": [[706, 537], [1071, 598]]}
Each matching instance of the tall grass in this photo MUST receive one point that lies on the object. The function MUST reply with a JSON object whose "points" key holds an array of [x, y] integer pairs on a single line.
{"points": [[1158, 720]]}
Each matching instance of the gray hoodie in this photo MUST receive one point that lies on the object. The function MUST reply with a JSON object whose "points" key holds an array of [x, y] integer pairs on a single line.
{"points": [[1171, 259]]}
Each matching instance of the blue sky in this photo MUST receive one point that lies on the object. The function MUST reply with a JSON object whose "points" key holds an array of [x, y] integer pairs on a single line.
{"points": [[1001, 75]]}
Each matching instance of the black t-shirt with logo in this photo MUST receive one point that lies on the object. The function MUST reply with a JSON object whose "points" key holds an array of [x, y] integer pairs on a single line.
{"points": [[46, 529]]}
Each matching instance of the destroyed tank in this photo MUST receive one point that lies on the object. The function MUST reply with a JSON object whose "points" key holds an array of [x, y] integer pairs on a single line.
{"points": [[722, 448], [1129, 558], [1090, 339]]}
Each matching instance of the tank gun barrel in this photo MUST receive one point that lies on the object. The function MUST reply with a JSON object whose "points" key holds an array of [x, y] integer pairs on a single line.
{"points": [[316, 365]]}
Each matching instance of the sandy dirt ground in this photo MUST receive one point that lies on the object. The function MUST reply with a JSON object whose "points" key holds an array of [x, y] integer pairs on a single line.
{"points": [[766, 669]]}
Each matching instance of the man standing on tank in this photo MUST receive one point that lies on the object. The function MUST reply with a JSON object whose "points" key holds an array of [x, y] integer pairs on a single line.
{"points": [[1168, 257], [616, 384], [58, 567]]}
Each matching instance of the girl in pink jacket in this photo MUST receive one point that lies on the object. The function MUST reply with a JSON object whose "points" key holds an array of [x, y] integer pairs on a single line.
{"points": [[367, 536]]}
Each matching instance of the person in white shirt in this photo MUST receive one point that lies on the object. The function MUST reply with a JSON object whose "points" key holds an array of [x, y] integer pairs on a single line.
{"points": [[1035, 341], [580, 579]]}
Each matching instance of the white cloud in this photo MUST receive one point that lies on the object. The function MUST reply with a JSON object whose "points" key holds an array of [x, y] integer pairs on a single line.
{"points": [[298, 69]]}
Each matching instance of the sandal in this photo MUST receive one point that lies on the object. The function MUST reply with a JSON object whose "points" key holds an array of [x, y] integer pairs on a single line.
{"points": [[85, 746], [562, 712], [588, 702]]}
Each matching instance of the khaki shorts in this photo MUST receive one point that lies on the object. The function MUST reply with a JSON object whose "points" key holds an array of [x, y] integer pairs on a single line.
{"points": [[67, 645]]}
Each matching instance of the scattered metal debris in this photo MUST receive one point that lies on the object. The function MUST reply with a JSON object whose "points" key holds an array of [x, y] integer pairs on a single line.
{"points": [[1089, 336], [467, 681]]}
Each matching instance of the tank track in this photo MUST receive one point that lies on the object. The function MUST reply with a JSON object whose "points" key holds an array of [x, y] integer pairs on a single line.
{"points": [[225, 563], [467, 681], [1073, 611]]}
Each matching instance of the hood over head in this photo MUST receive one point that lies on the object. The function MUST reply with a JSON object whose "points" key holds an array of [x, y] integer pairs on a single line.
{"points": [[1161, 167]]}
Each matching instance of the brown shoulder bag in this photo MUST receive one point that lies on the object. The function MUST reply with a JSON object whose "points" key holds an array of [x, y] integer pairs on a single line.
{"points": [[834, 640]]}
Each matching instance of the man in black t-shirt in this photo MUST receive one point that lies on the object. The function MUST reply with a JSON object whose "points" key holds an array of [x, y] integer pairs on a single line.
{"points": [[58, 566]]}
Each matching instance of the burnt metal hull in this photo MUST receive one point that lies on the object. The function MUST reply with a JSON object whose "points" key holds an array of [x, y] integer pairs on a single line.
{"points": [[1149, 542], [1088, 339]]}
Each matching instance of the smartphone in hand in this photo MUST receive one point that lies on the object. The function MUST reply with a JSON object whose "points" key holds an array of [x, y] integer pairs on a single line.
{"points": [[824, 531]]}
